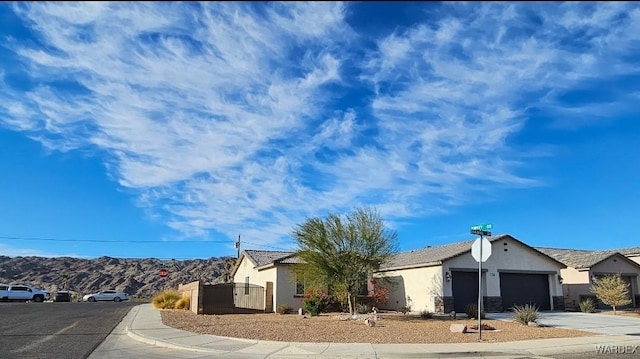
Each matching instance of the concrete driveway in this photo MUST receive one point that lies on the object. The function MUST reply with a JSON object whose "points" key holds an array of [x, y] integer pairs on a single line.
{"points": [[591, 322]]}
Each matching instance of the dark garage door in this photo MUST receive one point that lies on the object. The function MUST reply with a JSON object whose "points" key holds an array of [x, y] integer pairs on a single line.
{"points": [[520, 289], [464, 286]]}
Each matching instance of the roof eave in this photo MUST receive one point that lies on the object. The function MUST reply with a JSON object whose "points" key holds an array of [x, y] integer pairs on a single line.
{"points": [[410, 266]]}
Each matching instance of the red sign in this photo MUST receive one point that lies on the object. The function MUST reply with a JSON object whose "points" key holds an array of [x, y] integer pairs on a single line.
{"points": [[163, 273]]}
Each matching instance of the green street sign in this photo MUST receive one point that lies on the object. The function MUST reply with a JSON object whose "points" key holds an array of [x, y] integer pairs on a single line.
{"points": [[482, 227]]}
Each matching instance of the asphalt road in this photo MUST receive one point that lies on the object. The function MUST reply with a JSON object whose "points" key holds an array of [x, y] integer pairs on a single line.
{"points": [[57, 330]]}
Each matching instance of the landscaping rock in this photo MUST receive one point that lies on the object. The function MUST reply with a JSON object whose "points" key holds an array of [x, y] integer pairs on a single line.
{"points": [[300, 312], [370, 322], [533, 324], [458, 328]]}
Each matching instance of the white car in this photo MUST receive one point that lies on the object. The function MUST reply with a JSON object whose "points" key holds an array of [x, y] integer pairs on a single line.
{"points": [[108, 295]]}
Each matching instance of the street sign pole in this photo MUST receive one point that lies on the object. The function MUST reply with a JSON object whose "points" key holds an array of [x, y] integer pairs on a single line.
{"points": [[480, 291], [482, 230]]}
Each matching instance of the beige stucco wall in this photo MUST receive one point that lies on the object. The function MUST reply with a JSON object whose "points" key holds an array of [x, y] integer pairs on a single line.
{"points": [[574, 284], [517, 257], [195, 295], [285, 291], [615, 264], [417, 287], [246, 269], [573, 276]]}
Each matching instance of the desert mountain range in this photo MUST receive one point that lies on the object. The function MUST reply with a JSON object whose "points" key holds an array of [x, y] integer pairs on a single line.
{"points": [[136, 276]]}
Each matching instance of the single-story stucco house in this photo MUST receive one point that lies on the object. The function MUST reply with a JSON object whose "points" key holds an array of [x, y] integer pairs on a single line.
{"points": [[584, 266], [437, 279], [445, 278], [273, 271]]}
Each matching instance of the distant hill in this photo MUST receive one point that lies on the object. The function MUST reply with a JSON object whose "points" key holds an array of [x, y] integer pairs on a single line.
{"points": [[138, 277]]}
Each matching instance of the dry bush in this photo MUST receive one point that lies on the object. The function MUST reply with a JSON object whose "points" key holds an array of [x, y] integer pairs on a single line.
{"points": [[184, 302], [166, 299]]}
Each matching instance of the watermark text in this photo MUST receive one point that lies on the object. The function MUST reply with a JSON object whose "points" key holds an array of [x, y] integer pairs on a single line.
{"points": [[617, 349]]}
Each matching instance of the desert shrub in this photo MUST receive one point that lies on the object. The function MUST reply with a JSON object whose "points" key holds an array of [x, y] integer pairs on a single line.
{"points": [[379, 295], [284, 309], [404, 309], [471, 310], [184, 302], [425, 314], [524, 314], [587, 306], [362, 308], [166, 299], [314, 305]]}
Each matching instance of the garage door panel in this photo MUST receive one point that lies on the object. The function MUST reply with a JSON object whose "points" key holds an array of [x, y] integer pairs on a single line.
{"points": [[524, 288]]}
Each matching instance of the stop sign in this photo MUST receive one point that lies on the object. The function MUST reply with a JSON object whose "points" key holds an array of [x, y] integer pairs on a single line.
{"points": [[163, 273], [486, 249]]}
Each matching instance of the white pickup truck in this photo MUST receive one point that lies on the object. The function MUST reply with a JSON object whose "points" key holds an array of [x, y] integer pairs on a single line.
{"points": [[20, 292]]}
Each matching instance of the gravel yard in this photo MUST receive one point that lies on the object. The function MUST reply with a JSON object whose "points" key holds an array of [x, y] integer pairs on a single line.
{"points": [[390, 328]]}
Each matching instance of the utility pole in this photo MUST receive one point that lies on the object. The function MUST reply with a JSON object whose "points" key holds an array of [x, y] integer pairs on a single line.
{"points": [[237, 245]]}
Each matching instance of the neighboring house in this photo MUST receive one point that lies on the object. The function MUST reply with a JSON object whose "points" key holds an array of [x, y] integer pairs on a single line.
{"points": [[445, 278], [273, 271], [583, 266], [631, 253]]}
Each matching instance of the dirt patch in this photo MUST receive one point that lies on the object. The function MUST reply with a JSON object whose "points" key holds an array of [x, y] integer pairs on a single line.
{"points": [[390, 328]]}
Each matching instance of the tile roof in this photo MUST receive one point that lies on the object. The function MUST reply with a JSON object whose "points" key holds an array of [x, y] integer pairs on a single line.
{"points": [[435, 255], [635, 251], [262, 258], [577, 258]]}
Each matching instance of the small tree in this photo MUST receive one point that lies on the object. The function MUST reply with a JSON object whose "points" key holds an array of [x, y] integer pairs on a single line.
{"points": [[339, 252], [65, 280], [611, 290]]}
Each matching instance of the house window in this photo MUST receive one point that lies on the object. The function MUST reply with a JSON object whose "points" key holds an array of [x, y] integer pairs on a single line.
{"points": [[246, 285], [299, 286]]}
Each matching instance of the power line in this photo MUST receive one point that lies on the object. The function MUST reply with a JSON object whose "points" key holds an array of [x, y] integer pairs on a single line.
{"points": [[45, 239]]}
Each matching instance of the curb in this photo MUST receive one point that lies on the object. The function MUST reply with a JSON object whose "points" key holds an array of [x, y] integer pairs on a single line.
{"points": [[543, 351], [132, 333]]}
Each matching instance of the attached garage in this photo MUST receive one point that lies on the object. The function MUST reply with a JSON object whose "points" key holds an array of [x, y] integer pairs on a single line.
{"points": [[525, 288], [465, 289], [445, 278]]}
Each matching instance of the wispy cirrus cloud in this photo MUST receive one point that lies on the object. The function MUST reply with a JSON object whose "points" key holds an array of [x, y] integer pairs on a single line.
{"points": [[451, 93], [231, 116]]}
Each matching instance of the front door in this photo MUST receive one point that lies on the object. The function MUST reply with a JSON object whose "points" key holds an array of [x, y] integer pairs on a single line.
{"points": [[464, 286]]}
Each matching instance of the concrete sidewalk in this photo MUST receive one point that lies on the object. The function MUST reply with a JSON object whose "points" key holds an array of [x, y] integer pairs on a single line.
{"points": [[144, 324]]}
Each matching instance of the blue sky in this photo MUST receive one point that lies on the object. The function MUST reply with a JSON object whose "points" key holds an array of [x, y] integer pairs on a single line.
{"points": [[166, 130]]}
